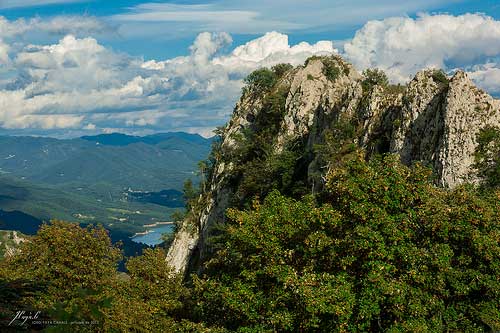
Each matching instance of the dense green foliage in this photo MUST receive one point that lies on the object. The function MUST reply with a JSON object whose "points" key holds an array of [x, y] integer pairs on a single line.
{"points": [[263, 79], [385, 251], [69, 274], [71, 265]]}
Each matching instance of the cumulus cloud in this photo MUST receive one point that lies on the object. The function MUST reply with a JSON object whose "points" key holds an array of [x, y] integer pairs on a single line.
{"points": [[79, 85], [11, 31], [404, 45], [72, 64], [270, 49]]}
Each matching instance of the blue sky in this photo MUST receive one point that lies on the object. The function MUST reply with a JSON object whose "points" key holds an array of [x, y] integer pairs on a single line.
{"points": [[70, 68], [174, 43]]}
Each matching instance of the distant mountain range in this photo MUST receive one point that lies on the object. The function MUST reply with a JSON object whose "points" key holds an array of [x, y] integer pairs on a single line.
{"points": [[119, 180], [151, 163]]}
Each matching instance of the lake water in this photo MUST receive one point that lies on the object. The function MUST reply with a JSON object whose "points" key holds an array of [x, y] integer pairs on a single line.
{"points": [[154, 237]]}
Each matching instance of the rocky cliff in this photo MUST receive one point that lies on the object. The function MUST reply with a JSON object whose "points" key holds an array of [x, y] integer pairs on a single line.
{"points": [[434, 119]]}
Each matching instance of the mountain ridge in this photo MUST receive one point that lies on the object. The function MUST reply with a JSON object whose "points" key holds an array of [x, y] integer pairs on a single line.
{"points": [[121, 139], [151, 163]]}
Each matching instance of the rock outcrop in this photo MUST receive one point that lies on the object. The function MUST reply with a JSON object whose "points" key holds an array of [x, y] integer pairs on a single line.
{"points": [[434, 120]]}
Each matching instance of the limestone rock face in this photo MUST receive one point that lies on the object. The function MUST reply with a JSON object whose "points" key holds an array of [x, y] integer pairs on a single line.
{"points": [[419, 120], [434, 120], [467, 110], [181, 249], [439, 122], [311, 91]]}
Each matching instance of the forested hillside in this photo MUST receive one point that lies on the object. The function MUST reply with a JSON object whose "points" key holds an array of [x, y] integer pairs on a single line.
{"points": [[122, 181]]}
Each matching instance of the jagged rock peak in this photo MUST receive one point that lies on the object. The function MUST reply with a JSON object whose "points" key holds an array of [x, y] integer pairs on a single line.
{"points": [[433, 119]]}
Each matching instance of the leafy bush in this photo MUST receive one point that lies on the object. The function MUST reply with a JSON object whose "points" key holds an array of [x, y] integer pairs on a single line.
{"points": [[331, 71], [440, 77], [74, 264], [69, 274], [374, 77], [281, 69], [261, 80]]}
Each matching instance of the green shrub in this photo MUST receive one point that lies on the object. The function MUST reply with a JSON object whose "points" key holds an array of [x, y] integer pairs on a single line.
{"points": [[331, 70], [440, 77], [281, 69], [374, 77], [261, 80], [74, 264]]}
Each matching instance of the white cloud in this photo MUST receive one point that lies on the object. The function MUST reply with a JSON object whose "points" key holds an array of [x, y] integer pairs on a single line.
{"points": [[71, 64], [56, 25], [270, 49], [155, 12], [46, 122], [78, 84], [207, 44], [487, 76], [402, 46], [193, 18], [13, 34], [64, 24]]}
